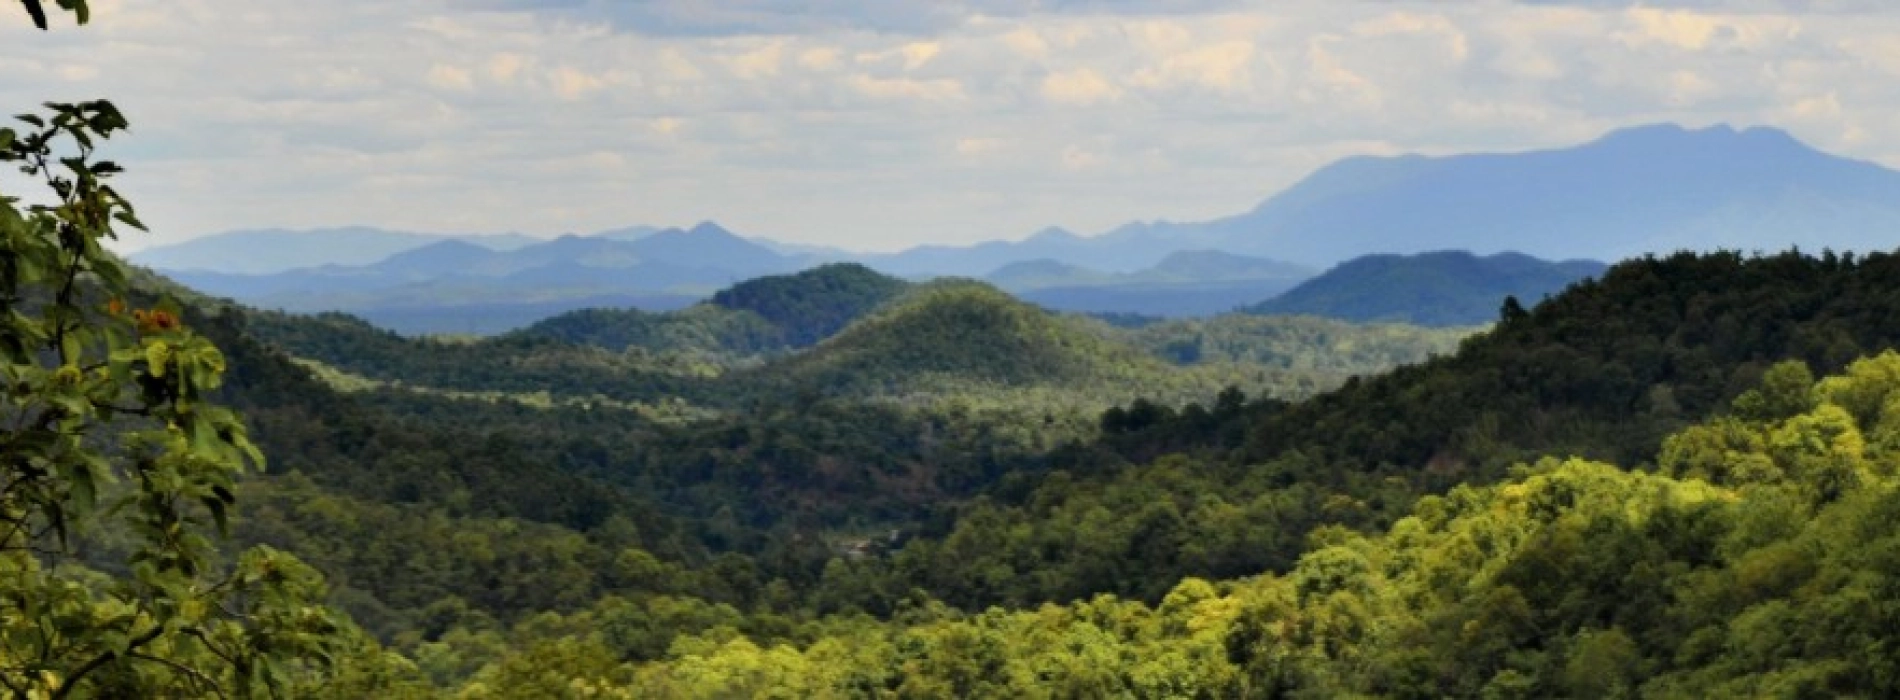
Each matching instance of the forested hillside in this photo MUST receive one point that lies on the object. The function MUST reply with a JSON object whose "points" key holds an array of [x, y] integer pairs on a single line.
{"points": [[954, 337], [841, 523], [842, 330], [770, 484], [767, 314], [1757, 561], [1447, 288], [766, 534], [1602, 371]]}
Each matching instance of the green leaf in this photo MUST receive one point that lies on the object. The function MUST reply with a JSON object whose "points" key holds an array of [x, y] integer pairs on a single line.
{"points": [[85, 492], [126, 217], [204, 439], [217, 506]]}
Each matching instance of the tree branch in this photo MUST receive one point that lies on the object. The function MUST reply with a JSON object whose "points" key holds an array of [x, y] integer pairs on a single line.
{"points": [[103, 659], [204, 680], [39, 13]]}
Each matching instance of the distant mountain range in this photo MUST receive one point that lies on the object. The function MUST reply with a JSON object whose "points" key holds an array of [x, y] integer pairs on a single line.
{"points": [[767, 314], [1653, 189], [1186, 283], [457, 286], [1650, 189], [453, 286], [267, 251], [1451, 288]]}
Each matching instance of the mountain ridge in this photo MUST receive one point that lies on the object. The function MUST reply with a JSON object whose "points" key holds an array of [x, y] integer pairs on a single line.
{"points": [[1439, 288], [1649, 189]]}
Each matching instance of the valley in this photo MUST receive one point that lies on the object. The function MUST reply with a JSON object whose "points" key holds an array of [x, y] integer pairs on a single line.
{"points": [[906, 462]]}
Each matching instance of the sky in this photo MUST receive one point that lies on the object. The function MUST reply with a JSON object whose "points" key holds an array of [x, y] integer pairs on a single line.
{"points": [[882, 124]]}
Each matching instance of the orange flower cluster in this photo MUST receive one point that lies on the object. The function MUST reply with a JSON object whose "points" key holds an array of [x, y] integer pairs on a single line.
{"points": [[154, 321]]}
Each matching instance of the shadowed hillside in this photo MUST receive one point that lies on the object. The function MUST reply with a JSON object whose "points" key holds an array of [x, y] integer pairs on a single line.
{"points": [[1449, 288]]}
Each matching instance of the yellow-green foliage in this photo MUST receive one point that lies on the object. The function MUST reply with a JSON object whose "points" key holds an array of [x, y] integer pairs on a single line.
{"points": [[969, 342], [670, 409], [1303, 343], [1759, 563]]}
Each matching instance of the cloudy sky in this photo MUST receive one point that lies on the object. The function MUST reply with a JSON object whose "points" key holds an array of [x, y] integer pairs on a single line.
{"points": [[882, 123]]}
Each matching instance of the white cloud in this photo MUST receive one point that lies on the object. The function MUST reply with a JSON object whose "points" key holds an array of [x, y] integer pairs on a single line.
{"points": [[572, 83], [1078, 87], [1078, 158], [450, 77], [78, 74], [978, 146], [1678, 28], [1331, 81], [823, 58], [943, 119], [505, 67], [762, 62], [674, 65], [668, 126], [916, 54], [1226, 66], [1026, 42], [937, 90], [1453, 40]]}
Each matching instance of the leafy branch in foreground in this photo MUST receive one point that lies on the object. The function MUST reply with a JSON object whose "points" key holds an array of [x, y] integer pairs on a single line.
{"points": [[79, 372]]}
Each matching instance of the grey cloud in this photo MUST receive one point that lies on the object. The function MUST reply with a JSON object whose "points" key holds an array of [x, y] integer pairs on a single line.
{"points": [[700, 18], [1800, 6], [828, 126]]}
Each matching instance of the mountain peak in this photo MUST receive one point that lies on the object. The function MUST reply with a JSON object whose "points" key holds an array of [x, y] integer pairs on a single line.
{"points": [[707, 245], [1720, 135], [708, 228], [629, 233], [1052, 233]]}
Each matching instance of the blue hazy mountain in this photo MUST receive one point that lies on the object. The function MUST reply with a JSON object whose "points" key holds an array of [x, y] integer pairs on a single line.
{"points": [[265, 251], [1447, 288], [1654, 189], [1649, 189], [1045, 272], [629, 233], [479, 289], [709, 245], [1213, 265], [983, 258], [1185, 283]]}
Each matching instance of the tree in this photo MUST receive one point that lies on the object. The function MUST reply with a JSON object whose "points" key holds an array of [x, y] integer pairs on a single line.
{"points": [[82, 372], [1512, 311]]}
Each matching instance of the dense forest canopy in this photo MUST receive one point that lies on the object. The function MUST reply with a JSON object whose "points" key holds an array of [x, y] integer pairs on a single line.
{"points": [[786, 523], [1757, 561]]}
